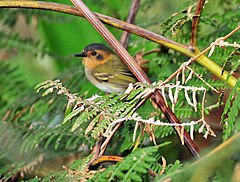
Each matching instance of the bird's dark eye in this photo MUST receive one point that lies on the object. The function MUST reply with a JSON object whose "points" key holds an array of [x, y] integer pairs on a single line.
{"points": [[99, 57], [94, 53]]}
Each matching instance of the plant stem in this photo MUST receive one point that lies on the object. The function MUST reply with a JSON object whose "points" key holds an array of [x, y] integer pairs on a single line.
{"points": [[130, 19], [207, 63], [195, 23]]}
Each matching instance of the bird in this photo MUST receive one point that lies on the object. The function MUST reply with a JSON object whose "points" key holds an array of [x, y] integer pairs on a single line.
{"points": [[104, 69]]}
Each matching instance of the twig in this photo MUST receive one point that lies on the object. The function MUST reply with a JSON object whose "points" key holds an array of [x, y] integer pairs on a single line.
{"points": [[195, 23], [185, 64], [104, 145], [96, 150], [151, 51], [108, 139], [164, 165], [130, 19], [200, 77], [154, 122], [105, 159], [152, 173], [115, 159]]}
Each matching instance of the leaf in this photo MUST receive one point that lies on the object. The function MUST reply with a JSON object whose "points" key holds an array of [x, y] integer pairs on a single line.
{"points": [[83, 118], [232, 111], [72, 114]]}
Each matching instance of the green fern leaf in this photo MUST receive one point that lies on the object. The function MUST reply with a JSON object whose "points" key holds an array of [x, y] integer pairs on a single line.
{"points": [[232, 111]]}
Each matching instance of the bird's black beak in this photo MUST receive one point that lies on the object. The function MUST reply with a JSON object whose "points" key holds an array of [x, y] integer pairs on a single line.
{"points": [[82, 54]]}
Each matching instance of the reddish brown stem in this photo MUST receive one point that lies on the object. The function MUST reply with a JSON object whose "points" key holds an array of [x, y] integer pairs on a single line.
{"points": [[106, 159], [195, 23], [172, 118], [151, 51], [108, 139], [130, 19]]}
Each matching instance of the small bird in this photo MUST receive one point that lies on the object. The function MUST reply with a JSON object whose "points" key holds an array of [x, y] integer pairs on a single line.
{"points": [[105, 69]]}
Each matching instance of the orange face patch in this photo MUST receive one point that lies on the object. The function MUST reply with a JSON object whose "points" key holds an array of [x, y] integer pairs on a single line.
{"points": [[91, 60]]}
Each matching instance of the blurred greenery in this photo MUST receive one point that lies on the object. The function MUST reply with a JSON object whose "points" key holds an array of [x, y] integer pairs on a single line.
{"points": [[37, 45]]}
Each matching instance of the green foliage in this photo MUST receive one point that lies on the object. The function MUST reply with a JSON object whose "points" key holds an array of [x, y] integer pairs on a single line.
{"points": [[132, 168], [66, 118], [231, 112], [20, 41], [177, 21], [220, 164], [10, 76]]}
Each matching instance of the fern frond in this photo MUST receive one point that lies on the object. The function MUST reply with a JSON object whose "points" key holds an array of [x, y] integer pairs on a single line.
{"points": [[231, 111], [132, 168], [12, 85], [177, 20]]}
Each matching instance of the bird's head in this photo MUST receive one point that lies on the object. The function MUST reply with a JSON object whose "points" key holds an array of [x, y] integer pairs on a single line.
{"points": [[95, 54]]}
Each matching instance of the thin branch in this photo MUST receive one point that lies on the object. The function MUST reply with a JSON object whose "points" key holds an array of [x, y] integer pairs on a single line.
{"points": [[185, 64], [105, 19], [204, 61], [96, 150], [195, 23], [159, 100], [130, 19], [200, 77], [154, 122], [115, 159], [108, 139], [106, 142], [106, 159], [151, 51]]}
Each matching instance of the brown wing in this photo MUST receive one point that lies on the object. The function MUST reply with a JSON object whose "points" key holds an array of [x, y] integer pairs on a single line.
{"points": [[117, 74]]}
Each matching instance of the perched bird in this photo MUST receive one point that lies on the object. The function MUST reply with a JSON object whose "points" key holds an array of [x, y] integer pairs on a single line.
{"points": [[105, 69]]}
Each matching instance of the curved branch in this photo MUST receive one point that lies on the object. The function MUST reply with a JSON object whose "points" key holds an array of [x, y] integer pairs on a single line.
{"points": [[204, 61], [105, 19], [130, 19], [195, 23], [106, 159], [204, 58]]}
